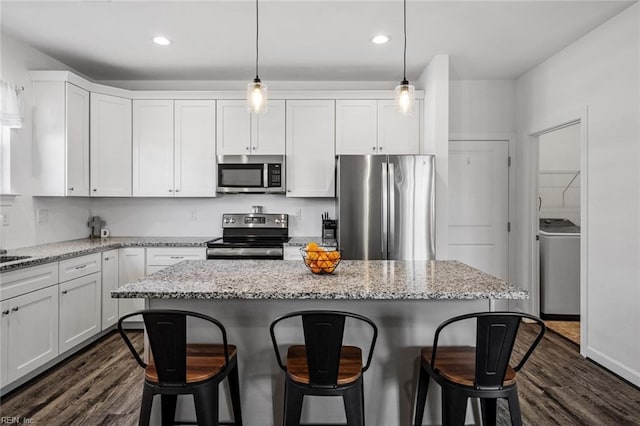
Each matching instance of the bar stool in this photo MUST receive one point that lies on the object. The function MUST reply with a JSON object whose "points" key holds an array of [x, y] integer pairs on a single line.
{"points": [[177, 367], [323, 366], [481, 372]]}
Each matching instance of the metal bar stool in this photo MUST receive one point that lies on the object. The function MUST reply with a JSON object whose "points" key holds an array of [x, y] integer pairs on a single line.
{"points": [[481, 372], [323, 366], [177, 367]]}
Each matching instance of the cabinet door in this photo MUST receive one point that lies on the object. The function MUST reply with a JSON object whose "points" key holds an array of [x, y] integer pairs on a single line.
{"points": [[398, 133], [110, 146], [130, 268], [268, 137], [80, 318], [356, 127], [32, 331], [77, 124], [109, 282], [195, 148], [233, 128], [153, 148], [310, 148], [4, 343]]}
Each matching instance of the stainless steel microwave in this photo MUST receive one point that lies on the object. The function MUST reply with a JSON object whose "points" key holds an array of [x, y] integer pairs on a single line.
{"points": [[251, 173]]}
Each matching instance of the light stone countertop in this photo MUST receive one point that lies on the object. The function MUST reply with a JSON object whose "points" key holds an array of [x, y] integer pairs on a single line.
{"points": [[291, 280], [52, 252]]}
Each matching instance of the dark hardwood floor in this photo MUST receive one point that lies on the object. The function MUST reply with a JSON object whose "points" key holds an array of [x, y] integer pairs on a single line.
{"points": [[102, 386]]}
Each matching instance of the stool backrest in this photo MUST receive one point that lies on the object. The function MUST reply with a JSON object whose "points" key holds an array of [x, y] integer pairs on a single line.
{"points": [[323, 335], [495, 337], [167, 335]]}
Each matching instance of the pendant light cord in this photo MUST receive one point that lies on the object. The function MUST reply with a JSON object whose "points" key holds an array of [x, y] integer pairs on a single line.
{"points": [[257, 44], [404, 69]]}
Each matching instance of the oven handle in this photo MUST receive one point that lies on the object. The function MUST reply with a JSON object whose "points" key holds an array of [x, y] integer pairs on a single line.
{"points": [[265, 175], [245, 252]]}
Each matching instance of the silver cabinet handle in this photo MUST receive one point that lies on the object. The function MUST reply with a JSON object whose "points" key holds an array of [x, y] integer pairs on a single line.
{"points": [[379, 148], [171, 190], [176, 257], [95, 189], [247, 148], [5, 312], [254, 148], [81, 267], [177, 190], [391, 242], [71, 189], [374, 148], [16, 309], [64, 292], [107, 258]]}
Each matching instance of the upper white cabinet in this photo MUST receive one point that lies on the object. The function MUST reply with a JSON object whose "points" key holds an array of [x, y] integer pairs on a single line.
{"points": [[242, 133], [153, 148], [376, 127], [398, 133], [310, 148], [60, 139], [110, 146], [195, 148]]}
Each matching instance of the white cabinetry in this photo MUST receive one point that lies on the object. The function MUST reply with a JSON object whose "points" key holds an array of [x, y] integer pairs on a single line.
{"points": [[60, 139], [29, 332], [80, 317], [310, 148], [109, 282], [161, 257], [153, 148], [110, 146], [398, 133], [242, 133], [130, 268]]}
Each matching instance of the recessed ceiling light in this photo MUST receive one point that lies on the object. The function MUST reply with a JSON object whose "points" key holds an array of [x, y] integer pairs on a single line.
{"points": [[380, 39], [162, 41]]}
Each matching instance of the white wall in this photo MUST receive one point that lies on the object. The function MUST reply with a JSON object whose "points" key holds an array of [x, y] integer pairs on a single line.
{"points": [[598, 73], [482, 107], [67, 217]]}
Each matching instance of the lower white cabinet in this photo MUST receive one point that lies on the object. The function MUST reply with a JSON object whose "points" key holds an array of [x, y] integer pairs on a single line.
{"points": [[80, 301], [130, 267], [29, 333], [109, 282]]}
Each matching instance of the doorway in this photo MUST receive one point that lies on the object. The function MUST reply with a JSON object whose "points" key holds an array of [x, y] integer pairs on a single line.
{"points": [[559, 228]]}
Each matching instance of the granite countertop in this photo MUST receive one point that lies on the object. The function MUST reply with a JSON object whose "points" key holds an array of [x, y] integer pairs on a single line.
{"points": [[52, 252], [290, 279], [303, 241]]}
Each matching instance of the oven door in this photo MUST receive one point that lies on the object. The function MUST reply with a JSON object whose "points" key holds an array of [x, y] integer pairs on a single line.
{"points": [[245, 253]]}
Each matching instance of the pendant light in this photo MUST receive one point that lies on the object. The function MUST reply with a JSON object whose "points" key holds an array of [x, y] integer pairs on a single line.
{"points": [[256, 90], [405, 93]]}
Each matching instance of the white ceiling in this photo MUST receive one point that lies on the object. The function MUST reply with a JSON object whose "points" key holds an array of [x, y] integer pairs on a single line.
{"points": [[300, 40]]}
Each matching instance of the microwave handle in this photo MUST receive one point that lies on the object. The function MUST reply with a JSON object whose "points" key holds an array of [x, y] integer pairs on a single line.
{"points": [[265, 175]]}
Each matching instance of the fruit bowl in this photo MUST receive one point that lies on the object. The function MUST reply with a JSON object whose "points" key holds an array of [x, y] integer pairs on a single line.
{"points": [[321, 260]]}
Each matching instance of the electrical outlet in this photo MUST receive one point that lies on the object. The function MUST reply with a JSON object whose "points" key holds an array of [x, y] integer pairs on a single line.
{"points": [[298, 214], [43, 215], [4, 219], [194, 215]]}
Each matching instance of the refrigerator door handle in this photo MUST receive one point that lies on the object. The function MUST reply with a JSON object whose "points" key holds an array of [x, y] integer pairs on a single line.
{"points": [[392, 211], [385, 210]]}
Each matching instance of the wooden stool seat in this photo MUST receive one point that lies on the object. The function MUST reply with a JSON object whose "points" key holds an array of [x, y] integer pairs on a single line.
{"points": [[349, 371], [203, 362]]}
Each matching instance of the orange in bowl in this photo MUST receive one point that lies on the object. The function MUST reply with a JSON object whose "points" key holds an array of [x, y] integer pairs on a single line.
{"points": [[320, 260]]}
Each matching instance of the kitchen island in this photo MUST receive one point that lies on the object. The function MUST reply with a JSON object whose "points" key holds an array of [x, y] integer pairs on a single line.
{"points": [[406, 299]]}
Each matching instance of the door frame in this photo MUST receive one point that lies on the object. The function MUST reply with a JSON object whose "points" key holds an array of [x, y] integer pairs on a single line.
{"points": [[510, 138], [531, 164]]}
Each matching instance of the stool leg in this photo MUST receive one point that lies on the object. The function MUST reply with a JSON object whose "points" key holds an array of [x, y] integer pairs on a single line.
{"points": [[293, 399], [514, 408], [488, 406], [206, 402], [454, 407], [354, 406], [168, 409], [234, 387], [421, 395], [145, 407]]}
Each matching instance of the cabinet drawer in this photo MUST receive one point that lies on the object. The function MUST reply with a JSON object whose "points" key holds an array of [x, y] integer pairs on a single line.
{"points": [[165, 256], [15, 283], [79, 267]]}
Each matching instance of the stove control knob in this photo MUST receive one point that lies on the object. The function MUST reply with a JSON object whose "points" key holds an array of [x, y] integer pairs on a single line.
{"points": [[226, 220], [277, 220], [232, 220]]}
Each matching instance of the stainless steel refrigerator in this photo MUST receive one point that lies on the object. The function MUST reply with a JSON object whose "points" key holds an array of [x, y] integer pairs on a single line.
{"points": [[385, 206]]}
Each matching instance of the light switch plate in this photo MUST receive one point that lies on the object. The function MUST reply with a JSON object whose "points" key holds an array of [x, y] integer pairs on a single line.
{"points": [[43, 215], [4, 219]]}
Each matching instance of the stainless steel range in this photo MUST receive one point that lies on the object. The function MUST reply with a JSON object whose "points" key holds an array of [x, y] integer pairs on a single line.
{"points": [[250, 236]]}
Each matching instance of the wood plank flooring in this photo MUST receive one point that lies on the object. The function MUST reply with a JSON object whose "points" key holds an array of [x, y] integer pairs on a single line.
{"points": [[567, 329], [102, 386]]}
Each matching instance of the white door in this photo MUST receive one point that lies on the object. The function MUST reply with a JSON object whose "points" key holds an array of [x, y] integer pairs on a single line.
{"points": [[310, 148], [356, 127], [32, 332], [109, 282], [268, 136], [130, 267], [110, 146], [233, 128], [479, 205], [153, 148], [77, 184], [195, 148], [80, 318], [398, 133]]}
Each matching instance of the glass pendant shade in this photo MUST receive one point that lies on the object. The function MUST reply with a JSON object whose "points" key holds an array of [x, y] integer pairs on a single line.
{"points": [[257, 97], [404, 95]]}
